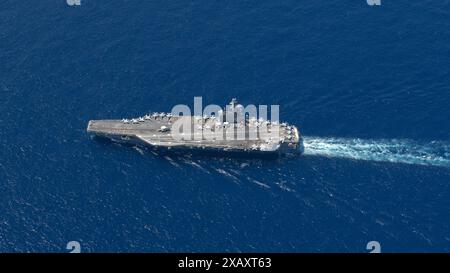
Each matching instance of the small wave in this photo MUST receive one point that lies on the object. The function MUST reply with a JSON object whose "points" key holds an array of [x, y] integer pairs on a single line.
{"points": [[196, 165], [225, 173], [261, 184], [139, 150], [172, 162]]}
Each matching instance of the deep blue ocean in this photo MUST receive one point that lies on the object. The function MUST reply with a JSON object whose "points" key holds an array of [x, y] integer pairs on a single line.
{"points": [[368, 86]]}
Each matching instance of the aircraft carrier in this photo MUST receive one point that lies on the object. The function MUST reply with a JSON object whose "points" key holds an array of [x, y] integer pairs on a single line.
{"points": [[203, 133]]}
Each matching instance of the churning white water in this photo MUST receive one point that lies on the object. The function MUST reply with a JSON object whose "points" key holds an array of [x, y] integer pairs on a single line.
{"points": [[435, 153]]}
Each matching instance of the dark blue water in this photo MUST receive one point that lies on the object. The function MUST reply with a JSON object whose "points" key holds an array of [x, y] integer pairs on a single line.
{"points": [[368, 86]]}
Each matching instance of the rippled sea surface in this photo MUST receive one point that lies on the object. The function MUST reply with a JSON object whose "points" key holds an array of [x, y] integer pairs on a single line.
{"points": [[369, 88]]}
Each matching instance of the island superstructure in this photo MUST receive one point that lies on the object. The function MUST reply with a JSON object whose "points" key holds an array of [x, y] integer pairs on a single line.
{"points": [[208, 133]]}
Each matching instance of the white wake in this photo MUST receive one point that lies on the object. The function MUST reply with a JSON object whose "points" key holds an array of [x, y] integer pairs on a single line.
{"points": [[435, 153]]}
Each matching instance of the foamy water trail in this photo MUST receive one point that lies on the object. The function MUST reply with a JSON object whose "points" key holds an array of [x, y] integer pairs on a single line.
{"points": [[435, 153]]}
